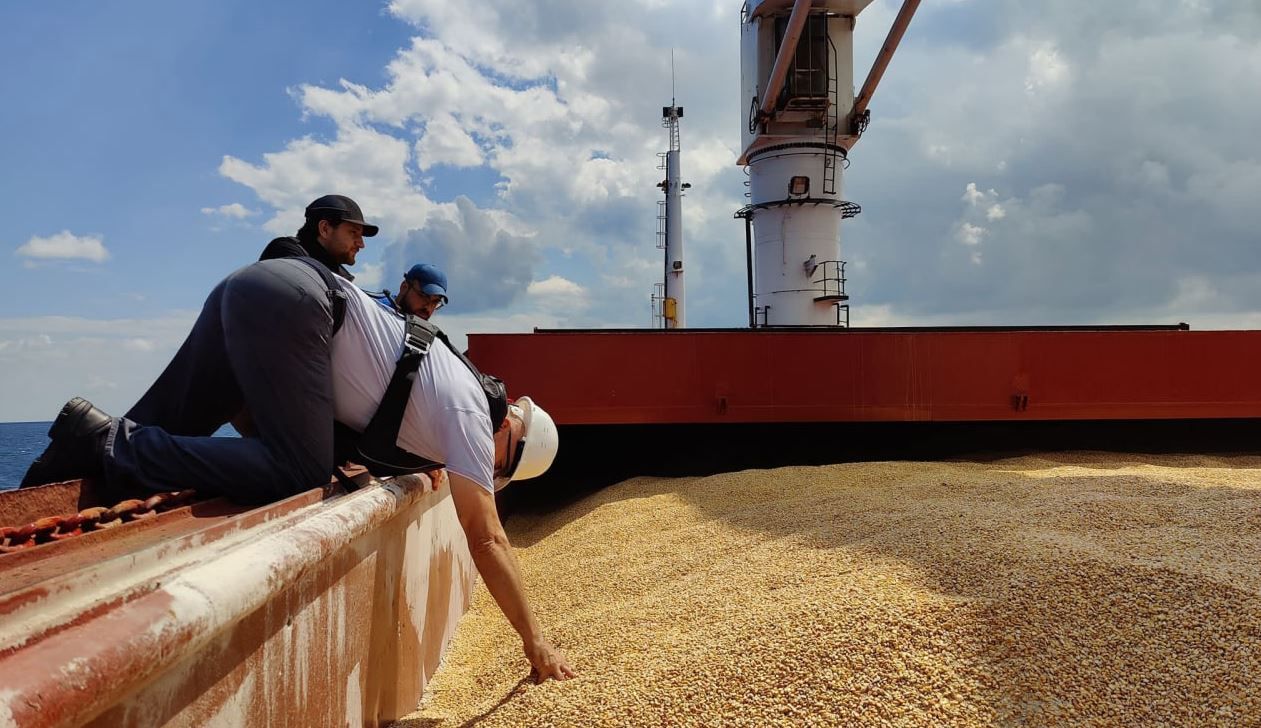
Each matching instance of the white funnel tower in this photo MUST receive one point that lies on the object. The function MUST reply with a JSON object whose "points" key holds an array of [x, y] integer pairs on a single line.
{"points": [[797, 73], [668, 307]]}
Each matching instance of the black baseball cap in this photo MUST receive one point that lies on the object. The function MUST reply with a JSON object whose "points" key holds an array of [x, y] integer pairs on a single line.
{"points": [[341, 208]]}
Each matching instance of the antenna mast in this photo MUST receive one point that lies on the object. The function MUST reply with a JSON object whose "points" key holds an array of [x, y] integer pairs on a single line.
{"points": [[668, 305]]}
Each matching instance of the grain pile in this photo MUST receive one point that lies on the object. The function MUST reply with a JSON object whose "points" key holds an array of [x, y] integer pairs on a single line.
{"points": [[1082, 589]]}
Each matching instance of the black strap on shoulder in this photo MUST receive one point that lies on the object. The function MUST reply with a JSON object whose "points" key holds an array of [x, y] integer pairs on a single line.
{"points": [[336, 297], [377, 448]]}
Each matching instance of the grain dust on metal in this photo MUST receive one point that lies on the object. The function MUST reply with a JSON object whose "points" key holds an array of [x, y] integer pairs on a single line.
{"points": [[1077, 588]]}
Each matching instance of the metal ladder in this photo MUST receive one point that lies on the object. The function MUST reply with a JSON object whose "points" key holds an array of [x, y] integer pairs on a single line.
{"points": [[832, 127], [674, 138], [661, 224]]}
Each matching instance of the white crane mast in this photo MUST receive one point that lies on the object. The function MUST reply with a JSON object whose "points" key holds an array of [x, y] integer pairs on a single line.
{"points": [[668, 305]]}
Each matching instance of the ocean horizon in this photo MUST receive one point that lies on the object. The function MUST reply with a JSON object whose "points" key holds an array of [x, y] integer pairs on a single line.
{"points": [[22, 442]]}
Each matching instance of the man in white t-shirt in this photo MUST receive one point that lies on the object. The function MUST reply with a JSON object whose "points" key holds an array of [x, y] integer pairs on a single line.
{"points": [[265, 342], [448, 420]]}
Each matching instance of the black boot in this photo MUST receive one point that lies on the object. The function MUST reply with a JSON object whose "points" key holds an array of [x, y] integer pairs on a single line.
{"points": [[78, 446]]}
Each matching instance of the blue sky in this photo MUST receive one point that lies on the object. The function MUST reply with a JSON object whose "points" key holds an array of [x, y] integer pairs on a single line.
{"points": [[128, 109], [1037, 163]]}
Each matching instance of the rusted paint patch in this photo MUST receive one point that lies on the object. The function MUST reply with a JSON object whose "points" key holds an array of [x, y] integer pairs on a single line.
{"points": [[28, 504]]}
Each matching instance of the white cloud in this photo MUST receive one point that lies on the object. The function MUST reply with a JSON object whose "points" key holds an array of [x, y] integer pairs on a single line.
{"points": [[369, 276], [1046, 68], [234, 210], [65, 246], [558, 297], [555, 286], [37, 342], [970, 234], [368, 165], [995, 212], [974, 197], [139, 344], [445, 142]]}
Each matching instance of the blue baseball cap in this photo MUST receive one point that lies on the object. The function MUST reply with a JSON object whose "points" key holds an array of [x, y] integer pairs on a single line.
{"points": [[431, 280]]}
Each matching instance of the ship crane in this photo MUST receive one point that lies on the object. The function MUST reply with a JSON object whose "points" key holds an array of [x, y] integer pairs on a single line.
{"points": [[803, 118]]}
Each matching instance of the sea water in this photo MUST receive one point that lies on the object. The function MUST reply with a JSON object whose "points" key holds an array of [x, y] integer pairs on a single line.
{"points": [[22, 442]]}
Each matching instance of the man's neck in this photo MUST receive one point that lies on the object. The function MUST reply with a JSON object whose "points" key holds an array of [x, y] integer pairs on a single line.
{"points": [[317, 250]]}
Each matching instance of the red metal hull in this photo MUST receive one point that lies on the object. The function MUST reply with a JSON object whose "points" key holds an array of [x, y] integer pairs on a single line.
{"points": [[592, 377]]}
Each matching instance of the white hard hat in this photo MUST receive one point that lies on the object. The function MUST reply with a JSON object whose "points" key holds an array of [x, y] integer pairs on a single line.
{"points": [[538, 444]]}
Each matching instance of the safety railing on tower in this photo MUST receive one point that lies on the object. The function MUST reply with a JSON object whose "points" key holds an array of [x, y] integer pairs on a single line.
{"points": [[658, 304], [831, 282]]}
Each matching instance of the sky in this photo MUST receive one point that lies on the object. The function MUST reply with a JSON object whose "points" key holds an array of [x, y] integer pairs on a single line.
{"points": [[1036, 163]]}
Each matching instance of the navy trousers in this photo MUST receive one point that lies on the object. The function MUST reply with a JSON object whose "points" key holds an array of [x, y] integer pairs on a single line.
{"points": [[263, 343]]}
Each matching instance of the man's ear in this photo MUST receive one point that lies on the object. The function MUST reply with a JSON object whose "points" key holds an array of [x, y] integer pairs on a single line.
{"points": [[504, 425]]}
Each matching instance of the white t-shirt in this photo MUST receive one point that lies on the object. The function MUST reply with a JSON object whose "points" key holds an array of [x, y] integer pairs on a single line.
{"points": [[447, 418]]}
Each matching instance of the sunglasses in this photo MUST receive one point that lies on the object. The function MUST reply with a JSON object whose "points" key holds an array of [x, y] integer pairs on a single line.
{"points": [[510, 468]]}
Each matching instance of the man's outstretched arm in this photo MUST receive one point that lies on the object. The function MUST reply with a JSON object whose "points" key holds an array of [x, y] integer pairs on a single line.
{"points": [[488, 544]]}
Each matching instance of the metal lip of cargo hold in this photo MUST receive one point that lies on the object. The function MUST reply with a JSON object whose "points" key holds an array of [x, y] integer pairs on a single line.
{"points": [[323, 604]]}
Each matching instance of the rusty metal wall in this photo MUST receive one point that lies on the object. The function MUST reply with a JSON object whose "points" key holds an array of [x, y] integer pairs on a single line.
{"points": [[330, 613]]}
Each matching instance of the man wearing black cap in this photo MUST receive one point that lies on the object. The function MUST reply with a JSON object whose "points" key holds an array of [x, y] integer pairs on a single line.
{"points": [[332, 234]]}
